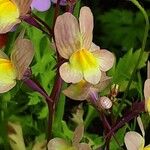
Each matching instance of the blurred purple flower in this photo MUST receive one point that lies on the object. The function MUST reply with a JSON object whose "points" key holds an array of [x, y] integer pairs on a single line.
{"points": [[44, 5], [41, 5]]}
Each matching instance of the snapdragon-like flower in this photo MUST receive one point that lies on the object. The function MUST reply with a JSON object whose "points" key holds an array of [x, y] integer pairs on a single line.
{"points": [[13, 69], [74, 43], [10, 13], [134, 141], [44, 5], [60, 144]]}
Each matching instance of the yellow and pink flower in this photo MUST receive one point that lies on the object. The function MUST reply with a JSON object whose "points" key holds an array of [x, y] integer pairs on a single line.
{"points": [[10, 13], [74, 43], [14, 68]]}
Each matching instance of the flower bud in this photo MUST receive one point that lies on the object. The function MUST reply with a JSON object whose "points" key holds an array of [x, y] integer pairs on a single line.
{"points": [[104, 103]]}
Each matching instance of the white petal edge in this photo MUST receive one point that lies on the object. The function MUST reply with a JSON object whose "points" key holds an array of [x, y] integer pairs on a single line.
{"points": [[134, 141], [69, 74]]}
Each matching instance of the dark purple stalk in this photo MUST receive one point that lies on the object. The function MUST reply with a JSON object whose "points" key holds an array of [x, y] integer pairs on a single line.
{"points": [[35, 87], [107, 128], [136, 109], [58, 82], [56, 13], [54, 96], [93, 99], [43, 23], [30, 20]]}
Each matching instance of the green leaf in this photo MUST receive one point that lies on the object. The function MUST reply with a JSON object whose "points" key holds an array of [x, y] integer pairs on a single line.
{"points": [[95, 140], [121, 73], [122, 28], [34, 98], [119, 137], [77, 8], [43, 113]]}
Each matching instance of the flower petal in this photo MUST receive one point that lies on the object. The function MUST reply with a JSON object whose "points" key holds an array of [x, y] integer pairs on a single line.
{"points": [[6, 87], [3, 55], [106, 59], [22, 56], [78, 135], [69, 74], [140, 123], [94, 47], [85, 61], [104, 82], [84, 146], [134, 141], [147, 89], [67, 35], [58, 144], [92, 75], [9, 15], [39, 5], [23, 6], [86, 26], [78, 91], [148, 70]]}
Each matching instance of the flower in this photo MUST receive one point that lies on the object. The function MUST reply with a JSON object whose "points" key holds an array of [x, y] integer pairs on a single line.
{"points": [[41, 5], [83, 90], [74, 43], [134, 141], [14, 68], [10, 13], [60, 144], [44, 5]]}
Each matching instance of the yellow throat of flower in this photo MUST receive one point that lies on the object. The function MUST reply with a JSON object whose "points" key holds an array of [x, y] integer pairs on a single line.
{"points": [[83, 60], [7, 72], [147, 148], [9, 12]]}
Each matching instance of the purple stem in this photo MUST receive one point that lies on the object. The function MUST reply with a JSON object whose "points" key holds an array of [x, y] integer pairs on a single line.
{"points": [[136, 109], [32, 21], [54, 96], [35, 87], [43, 23]]}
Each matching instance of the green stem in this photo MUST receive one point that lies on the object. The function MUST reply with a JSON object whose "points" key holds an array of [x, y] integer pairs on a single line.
{"points": [[136, 3], [59, 112], [91, 114]]}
